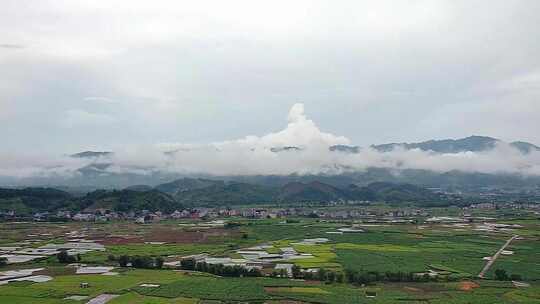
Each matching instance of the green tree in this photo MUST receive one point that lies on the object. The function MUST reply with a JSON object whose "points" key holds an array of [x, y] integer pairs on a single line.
{"points": [[158, 262], [331, 277], [123, 260], [515, 277], [64, 257], [339, 277], [188, 264], [142, 262], [296, 272], [321, 275], [501, 275]]}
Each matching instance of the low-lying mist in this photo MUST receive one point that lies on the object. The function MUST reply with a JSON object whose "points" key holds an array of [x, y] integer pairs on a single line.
{"points": [[301, 148]]}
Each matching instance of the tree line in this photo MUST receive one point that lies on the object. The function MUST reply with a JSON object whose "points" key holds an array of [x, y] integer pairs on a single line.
{"points": [[323, 275], [138, 261], [219, 269]]}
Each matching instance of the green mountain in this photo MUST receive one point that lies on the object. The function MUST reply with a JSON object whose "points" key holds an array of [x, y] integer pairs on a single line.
{"points": [[313, 191], [392, 193], [219, 192], [32, 199], [209, 193], [233, 193], [140, 188], [128, 200], [186, 184]]}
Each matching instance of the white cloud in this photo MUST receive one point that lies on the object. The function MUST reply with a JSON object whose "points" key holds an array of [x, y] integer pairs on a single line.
{"points": [[253, 155]]}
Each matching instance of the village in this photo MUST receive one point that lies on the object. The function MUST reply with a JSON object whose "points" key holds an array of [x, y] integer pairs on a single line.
{"points": [[374, 214]]}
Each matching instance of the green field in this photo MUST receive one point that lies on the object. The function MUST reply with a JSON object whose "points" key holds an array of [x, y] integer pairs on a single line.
{"points": [[455, 253]]}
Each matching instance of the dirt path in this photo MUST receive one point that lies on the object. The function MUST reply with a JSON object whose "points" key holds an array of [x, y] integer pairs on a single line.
{"points": [[494, 257], [102, 299]]}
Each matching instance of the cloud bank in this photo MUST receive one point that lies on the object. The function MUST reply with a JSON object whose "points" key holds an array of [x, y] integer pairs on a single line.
{"points": [[81, 74], [300, 148]]}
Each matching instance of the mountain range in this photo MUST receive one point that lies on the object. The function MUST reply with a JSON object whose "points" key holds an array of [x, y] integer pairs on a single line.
{"points": [[96, 173], [471, 143], [190, 192], [468, 144]]}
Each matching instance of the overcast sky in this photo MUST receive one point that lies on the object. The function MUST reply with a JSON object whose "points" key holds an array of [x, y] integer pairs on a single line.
{"points": [[79, 75]]}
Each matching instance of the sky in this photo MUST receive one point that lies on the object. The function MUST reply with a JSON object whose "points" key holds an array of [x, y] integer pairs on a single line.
{"points": [[106, 75]]}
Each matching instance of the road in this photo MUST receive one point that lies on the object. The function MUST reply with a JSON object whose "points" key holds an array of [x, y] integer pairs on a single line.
{"points": [[494, 257], [102, 299]]}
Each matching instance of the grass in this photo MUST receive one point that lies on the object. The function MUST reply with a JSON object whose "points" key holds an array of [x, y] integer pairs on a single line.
{"points": [[323, 256], [309, 290], [31, 300], [381, 248], [525, 261], [212, 288], [153, 250], [400, 250], [377, 247], [63, 286], [135, 298]]}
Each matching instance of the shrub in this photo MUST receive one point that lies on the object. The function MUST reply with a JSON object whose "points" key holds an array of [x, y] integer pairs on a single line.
{"points": [[501, 275], [188, 264], [515, 277], [65, 258], [158, 262], [123, 260]]}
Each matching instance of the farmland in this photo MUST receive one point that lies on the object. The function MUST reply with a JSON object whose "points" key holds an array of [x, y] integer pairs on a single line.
{"points": [[452, 253]]}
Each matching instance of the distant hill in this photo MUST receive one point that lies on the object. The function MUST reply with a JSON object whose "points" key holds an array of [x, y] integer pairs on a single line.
{"points": [[285, 149], [140, 188], [186, 184], [91, 154], [228, 194], [94, 169], [127, 200], [525, 147], [32, 199], [234, 193], [471, 143], [313, 191], [390, 192], [201, 192], [344, 148]]}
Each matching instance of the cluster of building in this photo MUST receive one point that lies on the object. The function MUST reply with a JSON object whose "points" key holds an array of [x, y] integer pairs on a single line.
{"points": [[507, 205], [146, 216], [366, 213]]}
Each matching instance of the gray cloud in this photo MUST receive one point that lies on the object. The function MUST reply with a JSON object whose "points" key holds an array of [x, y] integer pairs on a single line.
{"points": [[105, 76], [11, 46]]}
